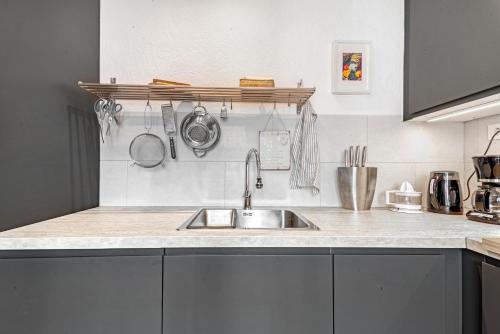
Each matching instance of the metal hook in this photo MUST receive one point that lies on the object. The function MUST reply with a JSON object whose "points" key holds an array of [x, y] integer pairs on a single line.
{"points": [[274, 108], [223, 109], [147, 110], [199, 100], [299, 106], [231, 104], [289, 98]]}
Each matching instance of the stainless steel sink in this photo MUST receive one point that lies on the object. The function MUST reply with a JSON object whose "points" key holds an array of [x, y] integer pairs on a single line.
{"points": [[247, 219]]}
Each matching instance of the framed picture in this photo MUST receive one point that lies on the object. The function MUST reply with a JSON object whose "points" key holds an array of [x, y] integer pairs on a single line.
{"points": [[351, 67]]}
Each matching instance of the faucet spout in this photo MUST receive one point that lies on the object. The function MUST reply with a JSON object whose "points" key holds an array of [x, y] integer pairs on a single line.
{"points": [[247, 195]]}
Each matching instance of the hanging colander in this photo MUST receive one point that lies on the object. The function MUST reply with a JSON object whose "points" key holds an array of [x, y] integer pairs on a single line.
{"points": [[200, 131]]}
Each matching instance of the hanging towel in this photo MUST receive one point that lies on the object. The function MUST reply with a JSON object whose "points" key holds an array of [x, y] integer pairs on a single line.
{"points": [[305, 151]]}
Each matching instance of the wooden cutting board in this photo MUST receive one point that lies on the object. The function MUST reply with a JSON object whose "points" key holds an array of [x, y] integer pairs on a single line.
{"points": [[492, 245]]}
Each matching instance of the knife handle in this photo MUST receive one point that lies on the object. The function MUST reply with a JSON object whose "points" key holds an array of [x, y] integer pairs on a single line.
{"points": [[364, 156], [356, 157], [351, 156], [172, 148]]}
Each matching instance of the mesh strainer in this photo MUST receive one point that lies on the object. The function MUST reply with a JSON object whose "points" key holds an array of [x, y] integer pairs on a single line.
{"points": [[147, 150]]}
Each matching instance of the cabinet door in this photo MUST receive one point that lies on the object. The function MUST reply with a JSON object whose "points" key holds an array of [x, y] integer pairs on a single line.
{"points": [[450, 49], [101, 295], [491, 298], [248, 294], [389, 294]]}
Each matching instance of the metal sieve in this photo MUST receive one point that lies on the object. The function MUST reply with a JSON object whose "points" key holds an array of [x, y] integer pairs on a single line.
{"points": [[146, 149]]}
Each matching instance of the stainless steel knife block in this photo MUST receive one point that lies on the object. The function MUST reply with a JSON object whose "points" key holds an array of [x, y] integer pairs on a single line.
{"points": [[357, 187]]}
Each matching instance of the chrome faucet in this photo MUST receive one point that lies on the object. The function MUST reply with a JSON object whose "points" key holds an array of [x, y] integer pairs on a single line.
{"points": [[247, 195]]}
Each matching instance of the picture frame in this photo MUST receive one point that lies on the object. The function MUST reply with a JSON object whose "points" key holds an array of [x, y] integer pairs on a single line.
{"points": [[351, 67]]}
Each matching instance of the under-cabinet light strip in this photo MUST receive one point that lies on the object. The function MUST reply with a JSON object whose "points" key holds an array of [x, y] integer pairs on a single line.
{"points": [[465, 111]]}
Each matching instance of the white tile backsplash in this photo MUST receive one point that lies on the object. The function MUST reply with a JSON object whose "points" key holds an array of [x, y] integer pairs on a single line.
{"points": [[423, 172], [389, 177], [401, 151], [276, 191], [391, 140], [337, 133], [474, 184], [330, 196], [471, 139], [476, 141], [482, 135], [113, 183], [177, 184]]}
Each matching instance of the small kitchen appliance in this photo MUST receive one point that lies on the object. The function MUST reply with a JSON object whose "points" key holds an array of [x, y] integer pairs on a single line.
{"points": [[404, 200], [445, 193], [486, 199]]}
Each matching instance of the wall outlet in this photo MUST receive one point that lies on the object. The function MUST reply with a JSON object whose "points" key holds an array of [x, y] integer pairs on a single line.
{"points": [[492, 129]]}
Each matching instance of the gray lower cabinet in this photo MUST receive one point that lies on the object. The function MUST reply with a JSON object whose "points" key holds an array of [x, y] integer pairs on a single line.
{"points": [[81, 295], [491, 298], [396, 293], [248, 294]]}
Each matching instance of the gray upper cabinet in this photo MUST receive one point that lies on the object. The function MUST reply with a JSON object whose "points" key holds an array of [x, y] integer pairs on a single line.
{"points": [[451, 53], [394, 294], [248, 294], [82, 295]]}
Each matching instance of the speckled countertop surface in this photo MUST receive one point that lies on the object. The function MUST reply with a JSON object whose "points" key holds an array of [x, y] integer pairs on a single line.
{"points": [[155, 227]]}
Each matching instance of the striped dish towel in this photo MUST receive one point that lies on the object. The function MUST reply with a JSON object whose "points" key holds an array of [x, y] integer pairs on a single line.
{"points": [[305, 152]]}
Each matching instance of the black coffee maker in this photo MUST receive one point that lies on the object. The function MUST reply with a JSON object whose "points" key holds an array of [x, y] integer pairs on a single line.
{"points": [[486, 199], [445, 193]]}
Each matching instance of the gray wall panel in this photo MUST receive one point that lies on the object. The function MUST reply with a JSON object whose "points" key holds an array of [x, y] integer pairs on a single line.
{"points": [[48, 133]]}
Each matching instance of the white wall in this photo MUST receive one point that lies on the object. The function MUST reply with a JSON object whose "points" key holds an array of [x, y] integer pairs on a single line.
{"points": [[218, 41], [215, 43]]}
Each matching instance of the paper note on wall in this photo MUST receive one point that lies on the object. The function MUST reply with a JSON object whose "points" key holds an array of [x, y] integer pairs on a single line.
{"points": [[274, 147]]}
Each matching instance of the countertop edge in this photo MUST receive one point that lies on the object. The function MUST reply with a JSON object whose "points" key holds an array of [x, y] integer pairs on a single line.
{"points": [[476, 245], [73, 243]]}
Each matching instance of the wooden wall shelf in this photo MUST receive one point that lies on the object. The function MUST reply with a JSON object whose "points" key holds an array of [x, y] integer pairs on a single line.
{"points": [[193, 93]]}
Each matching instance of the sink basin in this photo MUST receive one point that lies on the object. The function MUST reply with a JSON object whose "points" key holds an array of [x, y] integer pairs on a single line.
{"points": [[247, 219]]}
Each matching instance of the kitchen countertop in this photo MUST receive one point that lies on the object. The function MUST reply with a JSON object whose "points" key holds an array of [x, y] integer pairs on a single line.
{"points": [[155, 227]]}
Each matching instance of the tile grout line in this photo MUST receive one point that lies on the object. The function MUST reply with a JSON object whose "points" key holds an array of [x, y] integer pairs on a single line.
{"points": [[126, 182], [225, 177]]}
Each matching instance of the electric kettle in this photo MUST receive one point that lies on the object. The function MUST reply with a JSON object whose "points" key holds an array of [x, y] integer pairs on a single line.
{"points": [[445, 193]]}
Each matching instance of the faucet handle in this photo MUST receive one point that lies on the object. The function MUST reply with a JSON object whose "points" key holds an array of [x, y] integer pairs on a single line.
{"points": [[259, 183]]}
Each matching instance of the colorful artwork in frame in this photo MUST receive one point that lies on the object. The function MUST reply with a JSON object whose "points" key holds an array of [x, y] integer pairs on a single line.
{"points": [[351, 65]]}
